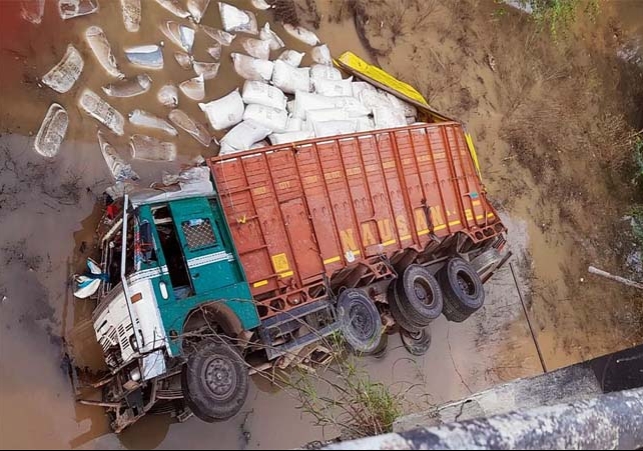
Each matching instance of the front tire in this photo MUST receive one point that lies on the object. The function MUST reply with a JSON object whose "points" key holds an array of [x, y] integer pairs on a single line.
{"points": [[463, 290], [360, 321], [215, 381]]}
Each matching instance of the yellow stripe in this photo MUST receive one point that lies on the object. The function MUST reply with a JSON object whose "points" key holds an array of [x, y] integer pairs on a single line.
{"points": [[356, 252], [261, 283], [423, 232], [286, 274], [440, 227], [405, 237], [480, 217], [389, 242], [328, 261], [454, 223], [490, 215], [476, 202]]}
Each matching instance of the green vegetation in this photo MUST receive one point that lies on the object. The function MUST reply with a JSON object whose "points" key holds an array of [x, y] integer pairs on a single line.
{"points": [[558, 15]]}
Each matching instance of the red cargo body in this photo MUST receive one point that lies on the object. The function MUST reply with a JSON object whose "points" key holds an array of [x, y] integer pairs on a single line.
{"points": [[300, 213]]}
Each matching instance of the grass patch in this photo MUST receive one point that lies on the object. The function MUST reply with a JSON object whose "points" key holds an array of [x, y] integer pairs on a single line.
{"points": [[558, 16]]}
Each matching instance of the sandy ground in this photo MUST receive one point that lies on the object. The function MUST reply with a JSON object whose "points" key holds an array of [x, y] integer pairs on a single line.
{"points": [[544, 116]]}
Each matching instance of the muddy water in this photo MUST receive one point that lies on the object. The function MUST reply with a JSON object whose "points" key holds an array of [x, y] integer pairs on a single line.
{"points": [[48, 211]]}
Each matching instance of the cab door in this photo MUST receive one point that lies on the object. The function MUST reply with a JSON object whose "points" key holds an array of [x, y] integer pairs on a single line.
{"points": [[208, 254]]}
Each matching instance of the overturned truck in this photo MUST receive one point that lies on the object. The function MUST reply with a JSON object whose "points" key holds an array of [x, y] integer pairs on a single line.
{"points": [[357, 235]]}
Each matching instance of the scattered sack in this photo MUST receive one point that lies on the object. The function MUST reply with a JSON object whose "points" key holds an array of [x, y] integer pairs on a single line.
{"points": [[257, 48], [52, 131], [290, 137], [235, 19], [325, 72], [32, 11], [215, 51], [334, 128], [408, 109], [224, 112], [387, 117], [103, 112], [261, 4], [148, 148], [269, 117], [260, 93], [252, 68], [149, 56], [103, 51], [222, 37], [68, 9], [333, 88], [300, 33], [131, 14], [129, 87], [120, 169], [183, 59], [243, 136], [274, 41], [306, 101], [321, 55], [168, 96], [194, 88], [374, 99], [291, 57], [290, 79], [197, 9], [148, 120], [192, 127], [181, 35], [62, 77], [174, 7], [208, 70]]}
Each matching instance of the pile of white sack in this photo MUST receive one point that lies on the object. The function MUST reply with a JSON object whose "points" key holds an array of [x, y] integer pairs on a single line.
{"points": [[286, 103]]}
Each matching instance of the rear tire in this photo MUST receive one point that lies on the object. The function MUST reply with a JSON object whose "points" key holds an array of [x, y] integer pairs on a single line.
{"points": [[215, 381], [420, 295], [360, 321], [486, 262], [400, 316], [416, 343], [463, 290]]}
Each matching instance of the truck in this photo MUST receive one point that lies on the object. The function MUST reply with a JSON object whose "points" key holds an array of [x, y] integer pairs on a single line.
{"points": [[277, 252]]}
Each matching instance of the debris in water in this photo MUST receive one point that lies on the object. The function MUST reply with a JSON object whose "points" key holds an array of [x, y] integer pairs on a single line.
{"points": [[257, 48], [193, 128], [321, 55], [32, 10], [120, 169], [174, 7], [491, 61], [52, 131], [102, 50], [235, 19], [197, 9], [68, 9], [184, 60], [149, 56], [215, 51], [194, 88], [261, 5], [222, 37], [102, 111], [300, 33], [252, 68], [144, 119], [181, 35], [224, 112], [131, 14], [145, 147], [168, 96], [86, 285], [129, 87], [62, 76], [266, 34], [291, 57], [208, 70]]}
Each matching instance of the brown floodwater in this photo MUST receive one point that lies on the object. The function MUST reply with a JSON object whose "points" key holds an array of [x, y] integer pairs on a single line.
{"points": [[48, 214]]}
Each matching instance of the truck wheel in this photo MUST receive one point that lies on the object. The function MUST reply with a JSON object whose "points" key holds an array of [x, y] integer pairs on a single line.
{"points": [[416, 343], [463, 290], [359, 321], [399, 315], [420, 295], [215, 381]]}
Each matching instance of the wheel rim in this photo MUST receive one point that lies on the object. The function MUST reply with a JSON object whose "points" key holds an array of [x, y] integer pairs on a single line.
{"points": [[361, 321], [466, 283], [220, 377], [423, 292]]}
